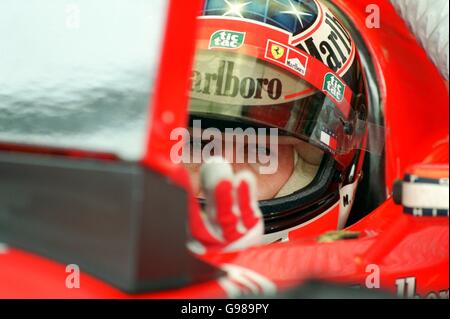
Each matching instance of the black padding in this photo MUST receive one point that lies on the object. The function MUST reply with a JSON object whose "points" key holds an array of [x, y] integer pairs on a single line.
{"points": [[397, 191], [119, 222]]}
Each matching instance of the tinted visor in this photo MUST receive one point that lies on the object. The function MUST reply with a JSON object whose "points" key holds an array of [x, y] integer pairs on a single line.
{"points": [[236, 87]]}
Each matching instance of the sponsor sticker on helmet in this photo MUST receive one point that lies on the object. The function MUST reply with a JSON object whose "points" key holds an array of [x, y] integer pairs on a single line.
{"points": [[330, 43], [227, 39], [297, 61], [289, 57], [334, 86], [223, 77], [225, 83]]}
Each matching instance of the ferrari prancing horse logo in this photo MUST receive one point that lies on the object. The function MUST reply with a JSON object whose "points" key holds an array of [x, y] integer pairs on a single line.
{"points": [[277, 51]]}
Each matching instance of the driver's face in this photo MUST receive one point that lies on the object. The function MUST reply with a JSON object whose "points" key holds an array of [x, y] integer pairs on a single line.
{"points": [[268, 184]]}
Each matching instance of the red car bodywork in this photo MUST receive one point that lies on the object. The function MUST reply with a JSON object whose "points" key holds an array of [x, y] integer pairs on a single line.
{"points": [[402, 247]]}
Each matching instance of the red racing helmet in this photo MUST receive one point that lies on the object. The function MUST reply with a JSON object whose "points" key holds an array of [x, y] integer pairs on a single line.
{"points": [[290, 65]]}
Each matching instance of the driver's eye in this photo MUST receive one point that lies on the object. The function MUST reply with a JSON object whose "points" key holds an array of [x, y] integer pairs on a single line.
{"points": [[197, 144], [264, 150], [258, 149]]}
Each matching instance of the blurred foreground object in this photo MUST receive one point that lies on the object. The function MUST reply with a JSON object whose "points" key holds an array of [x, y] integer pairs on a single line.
{"points": [[428, 19]]}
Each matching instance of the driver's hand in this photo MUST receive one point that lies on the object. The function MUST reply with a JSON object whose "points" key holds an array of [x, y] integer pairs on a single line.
{"points": [[231, 218]]}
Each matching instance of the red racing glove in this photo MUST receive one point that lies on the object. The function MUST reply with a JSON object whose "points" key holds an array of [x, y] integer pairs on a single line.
{"points": [[231, 218]]}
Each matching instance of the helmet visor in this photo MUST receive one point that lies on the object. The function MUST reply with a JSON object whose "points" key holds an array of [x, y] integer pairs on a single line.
{"points": [[244, 89]]}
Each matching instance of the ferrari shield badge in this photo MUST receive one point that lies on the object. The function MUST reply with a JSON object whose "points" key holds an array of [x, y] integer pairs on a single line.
{"points": [[277, 51]]}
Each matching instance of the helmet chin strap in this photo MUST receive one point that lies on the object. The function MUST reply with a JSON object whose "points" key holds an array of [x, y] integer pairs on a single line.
{"points": [[302, 175]]}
